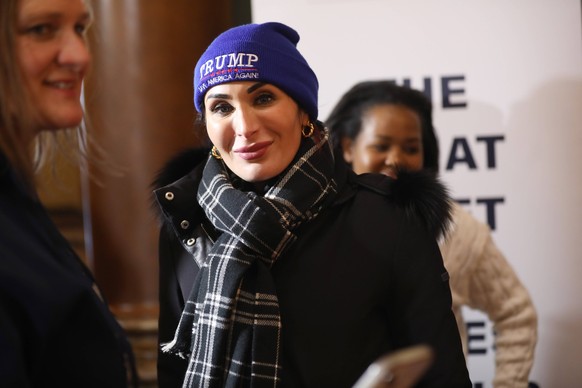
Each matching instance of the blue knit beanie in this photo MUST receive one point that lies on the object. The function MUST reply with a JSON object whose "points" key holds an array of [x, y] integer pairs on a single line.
{"points": [[258, 52]]}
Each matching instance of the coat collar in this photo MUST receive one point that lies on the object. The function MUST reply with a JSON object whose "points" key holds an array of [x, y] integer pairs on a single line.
{"points": [[419, 194]]}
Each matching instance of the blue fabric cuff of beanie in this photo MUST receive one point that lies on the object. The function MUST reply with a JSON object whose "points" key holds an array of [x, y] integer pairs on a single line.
{"points": [[264, 52]]}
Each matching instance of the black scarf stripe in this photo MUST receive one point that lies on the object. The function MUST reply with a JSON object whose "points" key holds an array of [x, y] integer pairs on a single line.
{"points": [[249, 218]]}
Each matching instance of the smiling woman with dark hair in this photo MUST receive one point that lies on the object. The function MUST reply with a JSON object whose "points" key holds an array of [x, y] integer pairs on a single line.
{"points": [[279, 266]]}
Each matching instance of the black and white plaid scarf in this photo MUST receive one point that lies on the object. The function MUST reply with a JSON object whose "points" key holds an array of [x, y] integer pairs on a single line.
{"points": [[231, 327]]}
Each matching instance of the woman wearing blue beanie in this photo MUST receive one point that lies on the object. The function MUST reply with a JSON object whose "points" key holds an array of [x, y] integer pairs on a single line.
{"points": [[279, 267]]}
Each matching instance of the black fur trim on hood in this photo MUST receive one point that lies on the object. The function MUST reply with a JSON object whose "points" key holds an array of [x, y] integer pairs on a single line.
{"points": [[421, 194]]}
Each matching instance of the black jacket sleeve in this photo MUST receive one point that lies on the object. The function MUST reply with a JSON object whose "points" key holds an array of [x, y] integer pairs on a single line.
{"points": [[177, 270], [424, 306], [171, 368]]}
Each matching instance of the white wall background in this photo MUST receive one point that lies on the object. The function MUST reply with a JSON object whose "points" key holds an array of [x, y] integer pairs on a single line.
{"points": [[520, 64]]}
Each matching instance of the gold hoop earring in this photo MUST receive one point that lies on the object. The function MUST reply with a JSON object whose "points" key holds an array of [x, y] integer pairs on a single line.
{"points": [[307, 130], [215, 153]]}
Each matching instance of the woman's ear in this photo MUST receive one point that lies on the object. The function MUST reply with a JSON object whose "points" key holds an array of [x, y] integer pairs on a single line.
{"points": [[347, 144]]}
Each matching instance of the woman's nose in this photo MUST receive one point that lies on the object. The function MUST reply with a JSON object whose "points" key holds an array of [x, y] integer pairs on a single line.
{"points": [[245, 123], [392, 158], [74, 52]]}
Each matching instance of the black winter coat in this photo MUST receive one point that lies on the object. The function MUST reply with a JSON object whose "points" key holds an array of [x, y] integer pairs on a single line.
{"points": [[363, 279], [55, 331]]}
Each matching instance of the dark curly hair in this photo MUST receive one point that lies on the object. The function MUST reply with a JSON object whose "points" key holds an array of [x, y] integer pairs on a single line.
{"points": [[345, 120]]}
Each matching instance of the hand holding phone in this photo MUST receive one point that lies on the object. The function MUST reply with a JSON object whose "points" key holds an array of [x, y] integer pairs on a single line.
{"points": [[399, 369]]}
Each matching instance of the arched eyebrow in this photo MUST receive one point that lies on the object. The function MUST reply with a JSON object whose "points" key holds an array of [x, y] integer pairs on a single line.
{"points": [[218, 95], [251, 89], [31, 17], [255, 87], [409, 139]]}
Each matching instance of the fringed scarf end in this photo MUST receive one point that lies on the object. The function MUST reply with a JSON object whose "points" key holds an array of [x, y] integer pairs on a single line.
{"points": [[173, 347]]}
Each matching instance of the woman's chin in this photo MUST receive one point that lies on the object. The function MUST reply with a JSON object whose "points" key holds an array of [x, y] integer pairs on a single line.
{"points": [[62, 122]]}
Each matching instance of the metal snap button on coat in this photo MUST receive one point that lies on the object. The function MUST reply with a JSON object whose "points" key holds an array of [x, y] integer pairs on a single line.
{"points": [[184, 224], [169, 196], [190, 241]]}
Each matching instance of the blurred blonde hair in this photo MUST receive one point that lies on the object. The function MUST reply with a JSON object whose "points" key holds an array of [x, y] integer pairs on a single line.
{"points": [[17, 113]]}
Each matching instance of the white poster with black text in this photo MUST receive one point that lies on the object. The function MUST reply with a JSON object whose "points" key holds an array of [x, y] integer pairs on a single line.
{"points": [[505, 79]]}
